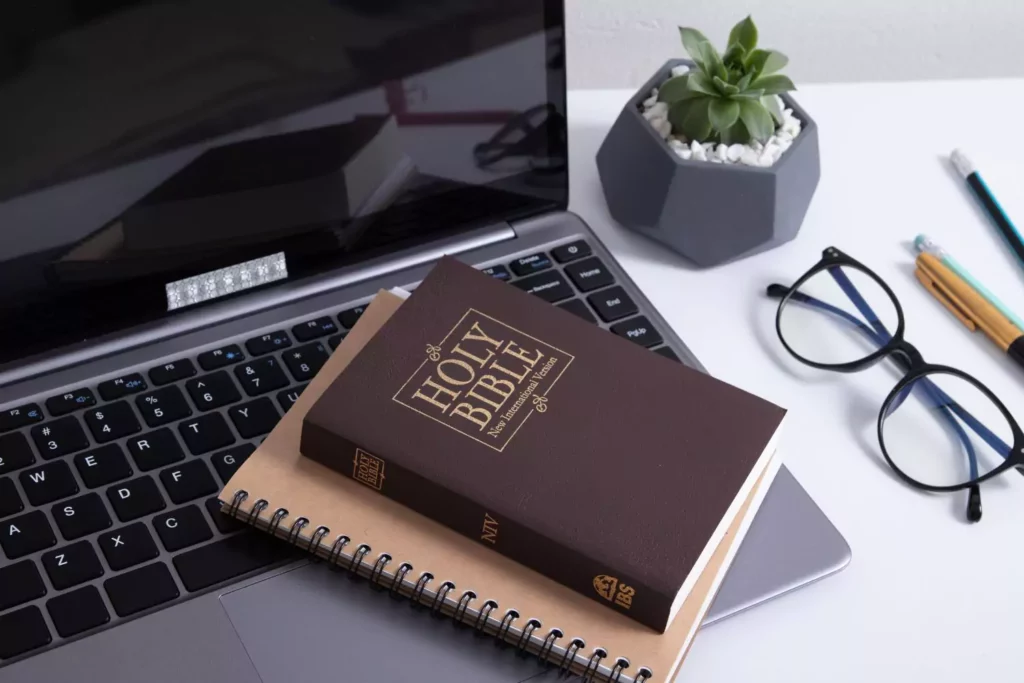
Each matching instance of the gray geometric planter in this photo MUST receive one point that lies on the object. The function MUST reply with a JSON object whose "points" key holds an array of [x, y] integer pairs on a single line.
{"points": [[709, 213]]}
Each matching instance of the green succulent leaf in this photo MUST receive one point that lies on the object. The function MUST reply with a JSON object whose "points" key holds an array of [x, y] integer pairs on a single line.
{"points": [[772, 105], [692, 38], [673, 89], [724, 88], [766, 62], [736, 135], [690, 117], [734, 56], [744, 82], [745, 34], [774, 84], [713, 64], [723, 114], [757, 119], [699, 82], [748, 95]]}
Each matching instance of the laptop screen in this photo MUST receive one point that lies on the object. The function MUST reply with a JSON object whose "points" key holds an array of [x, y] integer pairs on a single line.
{"points": [[145, 143]]}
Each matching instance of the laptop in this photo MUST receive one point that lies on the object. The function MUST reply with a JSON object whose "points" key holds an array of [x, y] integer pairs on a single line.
{"points": [[197, 199]]}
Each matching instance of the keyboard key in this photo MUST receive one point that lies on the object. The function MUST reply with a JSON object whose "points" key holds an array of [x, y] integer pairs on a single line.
{"points": [[571, 252], [612, 304], [350, 317], [71, 565], [172, 372], [26, 534], [155, 449], [112, 421], [288, 397], [114, 389], [551, 286], [15, 452], [254, 418], [534, 263], [20, 582], [49, 482], [305, 361], [272, 341], [334, 341], [12, 418], [206, 433], [128, 546], [21, 631], [135, 498], [182, 528], [188, 481], [578, 308], [224, 523], [213, 391], [227, 462], [10, 501], [497, 272], [639, 330], [590, 274], [312, 329], [70, 402], [81, 516], [668, 353], [103, 466], [77, 611], [141, 589], [236, 555], [60, 437], [219, 358], [162, 406], [260, 376]]}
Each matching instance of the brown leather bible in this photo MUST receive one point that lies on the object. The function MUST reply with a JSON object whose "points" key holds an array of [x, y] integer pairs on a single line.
{"points": [[607, 468]]}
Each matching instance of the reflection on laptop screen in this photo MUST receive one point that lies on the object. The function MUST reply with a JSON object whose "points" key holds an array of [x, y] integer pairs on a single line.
{"points": [[143, 143]]}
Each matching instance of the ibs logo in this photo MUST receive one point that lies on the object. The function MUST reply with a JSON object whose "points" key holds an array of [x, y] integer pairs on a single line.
{"points": [[609, 588], [484, 379], [368, 469]]}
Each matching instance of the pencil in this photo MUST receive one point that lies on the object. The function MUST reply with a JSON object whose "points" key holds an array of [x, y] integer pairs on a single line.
{"points": [[1006, 228]]}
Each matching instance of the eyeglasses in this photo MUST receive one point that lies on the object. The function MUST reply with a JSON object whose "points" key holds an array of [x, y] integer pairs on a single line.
{"points": [[939, 428]]}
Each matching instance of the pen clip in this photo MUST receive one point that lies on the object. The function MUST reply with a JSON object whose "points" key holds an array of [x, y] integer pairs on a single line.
{"points": [[929, 283]]}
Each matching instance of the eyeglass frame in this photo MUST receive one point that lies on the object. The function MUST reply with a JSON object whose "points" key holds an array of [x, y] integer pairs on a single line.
{"points": [[910, 361]]}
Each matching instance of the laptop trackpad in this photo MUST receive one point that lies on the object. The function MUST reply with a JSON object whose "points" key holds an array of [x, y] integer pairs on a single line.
{"points": [[312, 624]]}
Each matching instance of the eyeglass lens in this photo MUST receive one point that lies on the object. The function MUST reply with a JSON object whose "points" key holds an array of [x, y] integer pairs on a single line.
{"points": [[840, 315]]}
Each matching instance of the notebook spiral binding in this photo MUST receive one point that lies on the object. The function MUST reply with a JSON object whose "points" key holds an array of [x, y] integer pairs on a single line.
{"points": [[568, 661]]}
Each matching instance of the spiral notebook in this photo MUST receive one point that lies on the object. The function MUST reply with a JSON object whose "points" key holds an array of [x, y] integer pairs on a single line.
{"points": [[347, 524]]}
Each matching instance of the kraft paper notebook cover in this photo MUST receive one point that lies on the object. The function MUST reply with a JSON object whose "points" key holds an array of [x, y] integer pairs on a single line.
{"points": [[319, 510]]}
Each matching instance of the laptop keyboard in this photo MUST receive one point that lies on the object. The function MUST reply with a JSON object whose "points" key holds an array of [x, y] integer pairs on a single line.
{"points": [[107, 494]]}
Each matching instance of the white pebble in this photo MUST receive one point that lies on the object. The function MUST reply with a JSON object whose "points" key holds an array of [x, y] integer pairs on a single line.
{"points": [[784, 136], [765, 160], [675, 143], [680, 138], [749, 157], [722, 152], [698, 151], [708, 147], [658, 111], [680, 70], [650, 102], [684, 153], [736, 151], [784, 145], [654, 92], [787, 113], [663, 127]]}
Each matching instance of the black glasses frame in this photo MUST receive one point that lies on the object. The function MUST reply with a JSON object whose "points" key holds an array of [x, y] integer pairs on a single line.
{"points": [[909, 360]]}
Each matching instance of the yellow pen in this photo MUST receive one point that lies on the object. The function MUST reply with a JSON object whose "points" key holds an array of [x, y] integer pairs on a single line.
{"points": [[969, 307]]}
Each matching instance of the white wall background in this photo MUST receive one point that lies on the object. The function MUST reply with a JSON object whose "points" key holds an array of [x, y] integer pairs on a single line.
{"points": [[619, 43]]}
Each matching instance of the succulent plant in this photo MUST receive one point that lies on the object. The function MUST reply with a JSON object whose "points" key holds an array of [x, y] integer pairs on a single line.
{"points": [[730, 99]]}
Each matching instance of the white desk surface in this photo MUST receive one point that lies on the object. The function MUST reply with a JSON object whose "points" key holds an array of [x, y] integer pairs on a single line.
{"points": [[927, 597]]}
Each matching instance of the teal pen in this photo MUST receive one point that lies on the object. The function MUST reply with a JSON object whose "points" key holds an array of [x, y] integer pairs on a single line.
{"points": [[925, 244]]}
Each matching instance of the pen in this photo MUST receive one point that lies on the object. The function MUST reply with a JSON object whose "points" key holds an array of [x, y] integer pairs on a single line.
{"points": [[925, 244], [969, 307], [988, 202]]}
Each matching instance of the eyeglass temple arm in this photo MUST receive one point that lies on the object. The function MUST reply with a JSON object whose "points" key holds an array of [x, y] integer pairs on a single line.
{"points": [[881, 336]]}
